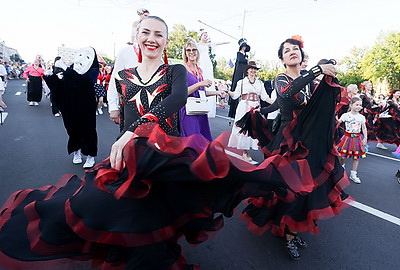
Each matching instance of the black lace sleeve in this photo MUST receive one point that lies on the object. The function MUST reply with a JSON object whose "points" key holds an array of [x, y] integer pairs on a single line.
{"points": [[271, 108], [171, 104], [286, 88]]}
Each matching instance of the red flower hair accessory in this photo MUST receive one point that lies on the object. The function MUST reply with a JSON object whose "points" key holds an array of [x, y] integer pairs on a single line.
{"points": [[362, 86], [299, 39]]}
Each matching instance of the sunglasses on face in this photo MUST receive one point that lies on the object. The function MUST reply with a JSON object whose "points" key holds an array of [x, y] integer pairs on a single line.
{"points": [[191, 50]]}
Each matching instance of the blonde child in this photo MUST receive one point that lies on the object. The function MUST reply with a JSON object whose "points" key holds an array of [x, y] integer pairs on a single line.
{"points": [[352, 144]]}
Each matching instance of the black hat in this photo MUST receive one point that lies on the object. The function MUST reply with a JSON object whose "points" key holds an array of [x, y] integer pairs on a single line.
{"points": [[243, 42], [141, 11], [251, 64]]}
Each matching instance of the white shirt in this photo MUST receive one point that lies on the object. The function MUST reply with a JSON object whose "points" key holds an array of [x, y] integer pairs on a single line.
{"points": [[353, 122], [256, 87], [126, 58], [3, 71], [272, 115]]}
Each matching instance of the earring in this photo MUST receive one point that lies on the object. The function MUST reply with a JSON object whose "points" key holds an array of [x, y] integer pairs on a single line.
{"points": [[138, 52], [165, 57]]}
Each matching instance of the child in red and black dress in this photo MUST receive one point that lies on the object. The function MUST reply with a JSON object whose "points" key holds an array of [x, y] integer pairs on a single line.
{"points": [[353, 142], [99, 88], [107, 77]]}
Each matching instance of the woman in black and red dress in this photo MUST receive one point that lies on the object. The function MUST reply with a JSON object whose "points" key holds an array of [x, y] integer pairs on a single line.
{"points": [[301, 149], [130, 211], [387, 125]]}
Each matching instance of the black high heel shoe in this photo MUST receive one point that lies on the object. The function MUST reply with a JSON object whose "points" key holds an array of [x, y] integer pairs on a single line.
{"points": [[292, 249], [297, 240], [398, 176]]}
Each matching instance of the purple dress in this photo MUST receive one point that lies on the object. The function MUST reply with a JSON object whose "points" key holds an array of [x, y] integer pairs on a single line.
{"points": [[194, 124]]}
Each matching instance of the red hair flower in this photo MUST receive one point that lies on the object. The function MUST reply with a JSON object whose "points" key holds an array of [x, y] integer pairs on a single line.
{"points": [[299, 39]]}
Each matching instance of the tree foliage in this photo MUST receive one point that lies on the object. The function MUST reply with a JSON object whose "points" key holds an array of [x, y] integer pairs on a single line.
{"points": [[178, 37], [16, 58], [350, 67], [269, 70], [108, 60], [383, 60], [222, 70]]}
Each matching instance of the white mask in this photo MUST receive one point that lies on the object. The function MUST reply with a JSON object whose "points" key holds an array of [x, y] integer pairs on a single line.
{"points": [[83, 60]]}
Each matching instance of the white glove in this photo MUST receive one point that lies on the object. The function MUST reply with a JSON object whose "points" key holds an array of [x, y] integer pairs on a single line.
{"points": [[61, 64], [48, 72]]}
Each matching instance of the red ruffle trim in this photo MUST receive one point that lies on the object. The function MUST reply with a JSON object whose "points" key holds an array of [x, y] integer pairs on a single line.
{"points": [[212, 163], [308, 225], [91, 237]]}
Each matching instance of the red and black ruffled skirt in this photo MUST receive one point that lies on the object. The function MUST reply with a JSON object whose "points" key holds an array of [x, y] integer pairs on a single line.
{"points": [[170, 188], [388, 129], [308, 142]]}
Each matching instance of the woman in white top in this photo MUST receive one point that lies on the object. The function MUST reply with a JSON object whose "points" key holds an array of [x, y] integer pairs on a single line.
{"points": [[250, 90], [207, 67]]}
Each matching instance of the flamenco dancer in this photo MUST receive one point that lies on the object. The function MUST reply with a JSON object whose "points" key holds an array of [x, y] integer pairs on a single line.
{"points": [[386, 126], [370, 111], [298, 144], [130, 211]]}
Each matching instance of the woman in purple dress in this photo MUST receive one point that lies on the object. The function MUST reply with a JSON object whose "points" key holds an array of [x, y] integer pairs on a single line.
{"points": [[195, 124]]}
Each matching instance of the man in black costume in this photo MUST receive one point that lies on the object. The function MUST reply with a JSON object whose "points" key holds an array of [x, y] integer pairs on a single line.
{"points": [[73, 92], [241, 61]]}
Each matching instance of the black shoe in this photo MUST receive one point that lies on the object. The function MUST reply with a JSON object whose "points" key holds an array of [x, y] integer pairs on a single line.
{"points": [[292, 249], [299, 242], [344, 195], [398, 174]]}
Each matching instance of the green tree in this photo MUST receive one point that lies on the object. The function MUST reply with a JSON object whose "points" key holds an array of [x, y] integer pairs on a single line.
{"points": [[108, 60], [383, 60], [269, 70], [350, 70], [16, 58], [178, 37], [222, 70]]}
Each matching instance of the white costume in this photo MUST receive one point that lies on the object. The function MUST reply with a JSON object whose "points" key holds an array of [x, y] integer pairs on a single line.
{"points": [[126, 58], [237, 140]]}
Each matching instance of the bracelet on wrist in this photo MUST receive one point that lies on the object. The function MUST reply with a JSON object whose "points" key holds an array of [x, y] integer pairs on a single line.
{"points": [[316, 71]]}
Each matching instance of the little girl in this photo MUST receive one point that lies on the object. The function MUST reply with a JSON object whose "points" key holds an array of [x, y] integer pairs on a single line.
{"points": [[353, 142]]}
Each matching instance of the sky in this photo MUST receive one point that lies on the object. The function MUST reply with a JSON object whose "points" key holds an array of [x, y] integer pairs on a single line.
{"points": [[330, 28]]}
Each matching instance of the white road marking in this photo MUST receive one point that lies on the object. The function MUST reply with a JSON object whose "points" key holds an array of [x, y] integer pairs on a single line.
{"points": [[18, 93], [3, 116], [375, 212], [382, 156]]}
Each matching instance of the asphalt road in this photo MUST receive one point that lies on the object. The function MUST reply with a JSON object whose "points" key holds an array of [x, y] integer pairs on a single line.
{"points": [[33, 154]]}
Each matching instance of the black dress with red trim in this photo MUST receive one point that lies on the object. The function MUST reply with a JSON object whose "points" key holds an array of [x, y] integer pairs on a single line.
{"points": [[370, 111], [305, 146], [341, 107], [171, 187], [387, 126]]}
